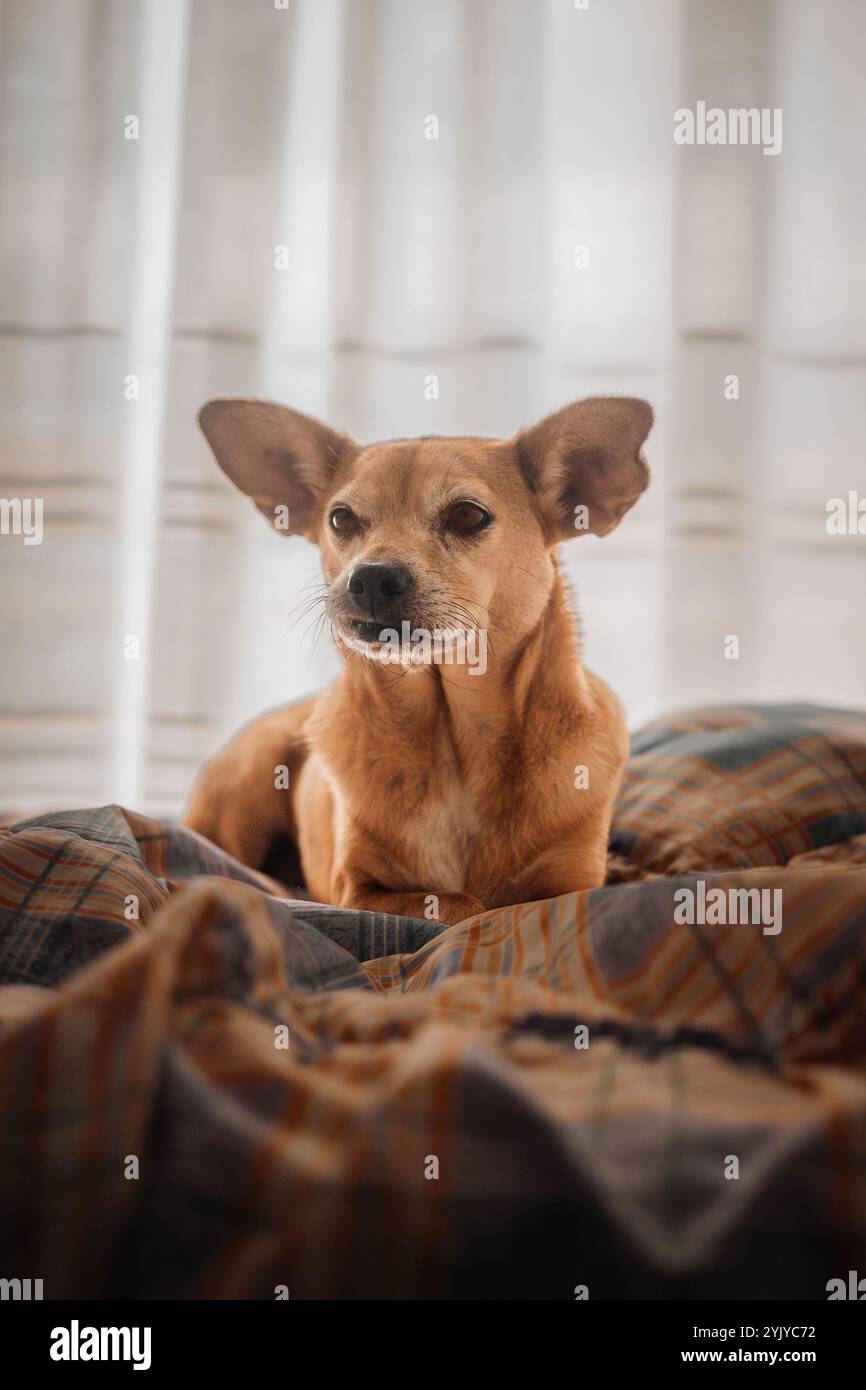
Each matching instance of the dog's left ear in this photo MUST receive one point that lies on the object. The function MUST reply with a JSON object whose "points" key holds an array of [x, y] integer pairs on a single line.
{"points": [[584, 464]]}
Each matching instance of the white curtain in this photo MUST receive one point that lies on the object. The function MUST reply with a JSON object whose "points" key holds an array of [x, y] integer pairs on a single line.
{"points": [[153, 264]]}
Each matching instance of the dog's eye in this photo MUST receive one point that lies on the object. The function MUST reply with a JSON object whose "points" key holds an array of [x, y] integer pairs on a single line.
{"points": [[466, 518], [344, 522]]}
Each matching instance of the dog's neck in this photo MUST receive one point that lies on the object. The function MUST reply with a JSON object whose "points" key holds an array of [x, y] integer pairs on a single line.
{"points": [[544, 666]]}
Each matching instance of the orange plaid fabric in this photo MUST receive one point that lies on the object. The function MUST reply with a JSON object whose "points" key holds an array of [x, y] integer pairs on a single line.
{"points": [[210, 1090]]}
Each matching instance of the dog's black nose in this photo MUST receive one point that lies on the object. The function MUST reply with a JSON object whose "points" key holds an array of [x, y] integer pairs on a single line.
{"points": [[376, 589]]}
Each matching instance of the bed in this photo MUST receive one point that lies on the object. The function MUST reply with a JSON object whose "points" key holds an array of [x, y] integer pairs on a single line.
{"points": [[211, 1088]]}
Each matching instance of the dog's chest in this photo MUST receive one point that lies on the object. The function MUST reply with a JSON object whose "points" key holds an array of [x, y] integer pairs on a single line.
{"points": [[438, 840]]}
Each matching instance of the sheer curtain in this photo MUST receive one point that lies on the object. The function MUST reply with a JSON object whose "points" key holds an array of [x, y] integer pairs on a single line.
{"points": [[413, 217]]}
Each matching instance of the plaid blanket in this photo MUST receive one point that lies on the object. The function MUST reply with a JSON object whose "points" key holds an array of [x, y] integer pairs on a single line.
{"points": [[210, 1089]]}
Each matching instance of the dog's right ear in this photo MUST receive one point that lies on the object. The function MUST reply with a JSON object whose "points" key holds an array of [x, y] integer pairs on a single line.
{"points": [[283, 460]]}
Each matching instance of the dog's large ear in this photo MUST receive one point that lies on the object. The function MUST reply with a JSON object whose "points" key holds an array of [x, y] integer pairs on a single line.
{"points": [[584, 464], [283, 460]]}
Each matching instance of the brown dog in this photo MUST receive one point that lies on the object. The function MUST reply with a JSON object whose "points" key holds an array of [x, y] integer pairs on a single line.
{"points": [[424, 782]]}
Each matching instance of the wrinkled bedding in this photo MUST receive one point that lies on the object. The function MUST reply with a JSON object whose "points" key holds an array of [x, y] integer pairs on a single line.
{"points": [[210, 1088]]}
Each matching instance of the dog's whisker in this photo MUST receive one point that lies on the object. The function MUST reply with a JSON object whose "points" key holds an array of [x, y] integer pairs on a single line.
{"points": [[306, 601], [306, 605]]}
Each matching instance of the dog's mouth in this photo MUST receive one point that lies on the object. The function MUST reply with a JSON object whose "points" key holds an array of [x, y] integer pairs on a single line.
{"points": [[369, 631], [411, 637]]}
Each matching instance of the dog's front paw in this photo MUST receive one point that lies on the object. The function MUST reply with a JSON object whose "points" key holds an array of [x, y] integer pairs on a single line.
{"points": [[447, 908], [452, 908]]}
